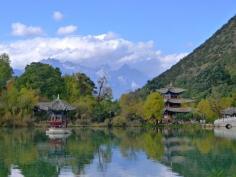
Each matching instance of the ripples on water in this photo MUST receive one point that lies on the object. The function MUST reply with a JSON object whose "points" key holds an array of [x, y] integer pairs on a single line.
{"points": [[133, 152]]}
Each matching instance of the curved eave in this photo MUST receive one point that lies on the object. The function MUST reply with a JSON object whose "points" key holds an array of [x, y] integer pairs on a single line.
{"points": [[229, 111], [178, 110], [174, 90], [43, 106], [56, 105], [178, 101]]}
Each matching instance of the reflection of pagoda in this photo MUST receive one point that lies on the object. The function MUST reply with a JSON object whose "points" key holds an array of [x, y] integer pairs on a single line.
{"points": [[173, 102], [175, 146], [58, 111], [54, 152]]}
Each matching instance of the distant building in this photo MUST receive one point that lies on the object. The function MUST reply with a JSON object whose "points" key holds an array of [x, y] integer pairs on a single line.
{"points": [[229, 112], [174, 102]]}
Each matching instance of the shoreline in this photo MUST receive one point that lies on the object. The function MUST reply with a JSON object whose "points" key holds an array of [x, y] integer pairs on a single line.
{"points": [[102, 125]]}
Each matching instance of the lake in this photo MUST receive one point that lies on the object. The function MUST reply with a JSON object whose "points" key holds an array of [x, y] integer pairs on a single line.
{"points": [[130, 152]]}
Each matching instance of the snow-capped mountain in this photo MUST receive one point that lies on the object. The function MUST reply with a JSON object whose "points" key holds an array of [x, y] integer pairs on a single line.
{"points": [[121, 80]]}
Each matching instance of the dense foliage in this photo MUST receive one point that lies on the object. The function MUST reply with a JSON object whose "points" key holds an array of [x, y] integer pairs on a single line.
{"points": [[17, 105], [153, 108], [209, 69], [131, 106], [210, 109], [208, 74], [42, 77], [42, 82], [77, 85], [5, 70]]}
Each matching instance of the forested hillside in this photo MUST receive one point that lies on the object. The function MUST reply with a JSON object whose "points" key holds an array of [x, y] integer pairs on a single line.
{"points": [[209, 70], [43, 82]]}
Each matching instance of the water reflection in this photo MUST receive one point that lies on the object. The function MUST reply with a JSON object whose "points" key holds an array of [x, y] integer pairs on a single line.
{"points": [[225, 132], [15, 172], [117, 153]]}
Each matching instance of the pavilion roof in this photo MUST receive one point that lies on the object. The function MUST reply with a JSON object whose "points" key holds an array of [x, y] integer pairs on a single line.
{"points": [[178, 100], [171, 89], [178, 110], [55, 105], [229, 111]]}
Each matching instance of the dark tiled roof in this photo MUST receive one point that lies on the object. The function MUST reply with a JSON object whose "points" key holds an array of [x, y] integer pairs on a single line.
{"points": [[178, 110], [229, 111], [179, 100], [171, 89], [55, 105]]}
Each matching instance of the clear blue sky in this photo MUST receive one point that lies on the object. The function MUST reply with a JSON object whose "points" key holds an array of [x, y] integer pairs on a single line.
{"points": [[174, 25]]}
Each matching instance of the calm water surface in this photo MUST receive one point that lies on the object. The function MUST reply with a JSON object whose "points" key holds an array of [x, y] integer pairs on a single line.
{"points": [[133, 152]]}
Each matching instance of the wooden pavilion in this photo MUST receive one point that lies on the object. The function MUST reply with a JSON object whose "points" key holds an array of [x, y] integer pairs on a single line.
{"points": [[174, 102], [58, 112]]}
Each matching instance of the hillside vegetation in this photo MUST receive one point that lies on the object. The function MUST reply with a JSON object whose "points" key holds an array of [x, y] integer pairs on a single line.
{"points": [[209, 70]]}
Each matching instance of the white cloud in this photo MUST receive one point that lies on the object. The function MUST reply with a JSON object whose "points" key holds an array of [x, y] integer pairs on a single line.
{"points": [[101, 73], [91, 51], [168, 60], [134, 85], [64, 30], [19, 29], [57, 15], [122, 80]]}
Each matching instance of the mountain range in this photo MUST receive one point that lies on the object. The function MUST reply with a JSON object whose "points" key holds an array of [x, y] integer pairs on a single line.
{"points": [[208, 70], [121, 80]]}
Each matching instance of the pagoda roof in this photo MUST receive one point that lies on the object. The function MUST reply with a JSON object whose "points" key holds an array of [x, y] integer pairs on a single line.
{"points": [[229, 111], [171, 89], [55, 105], [178, 100], [178, 110]]}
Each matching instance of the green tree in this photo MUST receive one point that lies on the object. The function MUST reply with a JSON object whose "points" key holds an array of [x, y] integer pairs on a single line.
{"points": [[5, 70], [105, 109], [131, 106], [78, 85], [10, 99], [153, 108], [226, 102], [218, 104], [42, 77], [84, 109], [16, 106], [234, 99], [205, 110], [85, 84], [27, 99]]}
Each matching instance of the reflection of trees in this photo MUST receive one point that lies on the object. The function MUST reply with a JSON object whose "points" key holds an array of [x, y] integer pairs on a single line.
{"points": [[189, 152], [38, 168], [17, 147], [85, 144], [32, 152], [128, 142], [198, 153], [104, 157], [135, 140], [4, 170]]}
